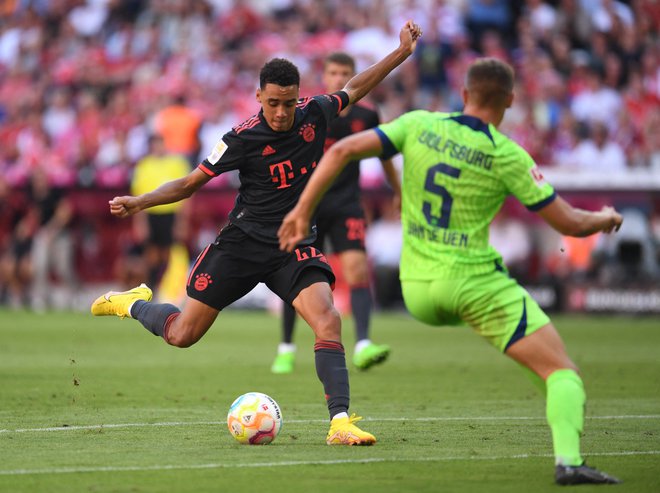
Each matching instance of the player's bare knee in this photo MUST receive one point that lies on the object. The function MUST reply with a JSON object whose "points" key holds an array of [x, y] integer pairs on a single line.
{"points": [[356, 272], [182, 336], [173, 338], [327, 324], [358, 278]]}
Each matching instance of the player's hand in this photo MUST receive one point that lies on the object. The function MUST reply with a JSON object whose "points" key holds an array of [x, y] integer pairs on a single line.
{"points": [[294, 229], [409, 35], [614, 219], [124, 206]]}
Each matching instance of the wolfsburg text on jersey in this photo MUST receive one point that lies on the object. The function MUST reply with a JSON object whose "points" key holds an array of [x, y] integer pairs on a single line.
{"points": [[456, 151]]}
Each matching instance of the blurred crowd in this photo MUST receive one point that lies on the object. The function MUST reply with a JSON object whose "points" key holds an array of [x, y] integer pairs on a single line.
{"points": [[85, 84]]}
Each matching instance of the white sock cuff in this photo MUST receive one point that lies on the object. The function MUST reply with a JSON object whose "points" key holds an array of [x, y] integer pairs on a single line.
{"points": [[361, 344], [286, 347], [129, 309]]}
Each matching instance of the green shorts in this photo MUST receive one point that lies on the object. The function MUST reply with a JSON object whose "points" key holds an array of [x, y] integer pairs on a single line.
{"points": [[494, 305]]}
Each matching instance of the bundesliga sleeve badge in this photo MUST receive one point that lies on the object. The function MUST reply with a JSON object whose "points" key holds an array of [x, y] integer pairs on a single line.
{"points": [[218, 150], [537, 176]]}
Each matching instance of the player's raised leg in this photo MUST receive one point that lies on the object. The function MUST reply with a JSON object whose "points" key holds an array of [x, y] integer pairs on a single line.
{"points": [[186, 329], [314, 304], [177, 328], [356, 272], [543, 352]]}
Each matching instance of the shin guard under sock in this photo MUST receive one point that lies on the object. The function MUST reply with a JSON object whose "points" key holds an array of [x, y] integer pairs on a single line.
{"points": [[361, 308], [331, 370], [565, 412], [288, 323], [155, 317]]}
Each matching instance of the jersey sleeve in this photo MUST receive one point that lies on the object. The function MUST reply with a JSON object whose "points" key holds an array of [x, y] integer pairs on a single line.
{"points": [[523, 178], [332, 104], [226, 155], [393, 135]]}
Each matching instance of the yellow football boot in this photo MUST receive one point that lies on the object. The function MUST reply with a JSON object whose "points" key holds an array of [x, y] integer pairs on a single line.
{"points": [[344, 432], [118, 302]]}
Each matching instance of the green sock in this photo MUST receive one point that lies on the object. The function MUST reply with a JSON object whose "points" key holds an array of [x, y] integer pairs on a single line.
{"points": [[565, 412]]}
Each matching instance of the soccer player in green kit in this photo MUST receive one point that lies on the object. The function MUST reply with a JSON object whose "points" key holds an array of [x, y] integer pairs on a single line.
{"points": [[458, 170]]}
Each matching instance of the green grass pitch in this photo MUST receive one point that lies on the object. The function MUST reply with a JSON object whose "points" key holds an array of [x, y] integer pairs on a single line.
{"points": [[100, 405]]}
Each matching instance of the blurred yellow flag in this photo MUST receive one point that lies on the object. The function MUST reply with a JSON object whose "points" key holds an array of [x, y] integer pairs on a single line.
{"points": [[172, 288]]}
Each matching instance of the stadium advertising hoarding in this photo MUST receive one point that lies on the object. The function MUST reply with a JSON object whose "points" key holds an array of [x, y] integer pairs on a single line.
{"points": [[594, 298], [613, 299]]}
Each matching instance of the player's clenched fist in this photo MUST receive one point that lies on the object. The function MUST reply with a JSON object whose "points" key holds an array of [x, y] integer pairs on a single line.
{"points": [[124, 206], [613, 219], [409, 35]]}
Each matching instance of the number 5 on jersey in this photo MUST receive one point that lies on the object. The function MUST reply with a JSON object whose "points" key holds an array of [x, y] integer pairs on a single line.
{"points": [[441, 221]]}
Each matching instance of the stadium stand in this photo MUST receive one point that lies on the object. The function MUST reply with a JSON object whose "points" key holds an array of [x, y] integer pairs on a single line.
{"points": [[84, 83]]}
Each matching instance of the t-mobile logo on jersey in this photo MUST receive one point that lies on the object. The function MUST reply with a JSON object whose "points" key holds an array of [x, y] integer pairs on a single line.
{"points": [[282, 173]]}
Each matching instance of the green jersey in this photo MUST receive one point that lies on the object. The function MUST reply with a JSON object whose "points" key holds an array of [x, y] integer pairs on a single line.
{"points": [[457, 173]]}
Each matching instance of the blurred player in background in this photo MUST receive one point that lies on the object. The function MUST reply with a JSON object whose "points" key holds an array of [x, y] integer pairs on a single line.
{"points": [[52, 242], [458, 170], [275, 152], [340, 219]]}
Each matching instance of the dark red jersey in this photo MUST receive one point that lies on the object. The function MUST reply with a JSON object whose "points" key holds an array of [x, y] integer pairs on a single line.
{"points": [[345, 190], [273, 166]]}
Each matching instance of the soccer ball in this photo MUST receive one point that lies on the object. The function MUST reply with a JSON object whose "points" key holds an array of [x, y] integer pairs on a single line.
{"points": [[254, 419]]}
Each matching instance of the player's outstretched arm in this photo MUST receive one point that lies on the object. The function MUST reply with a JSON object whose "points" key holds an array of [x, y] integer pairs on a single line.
{"points": [[365, 81], [571, 221], [295, 226], [170, 192]]}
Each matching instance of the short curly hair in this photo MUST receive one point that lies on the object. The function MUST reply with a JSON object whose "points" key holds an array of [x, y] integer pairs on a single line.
{"points": [[280, 72]]}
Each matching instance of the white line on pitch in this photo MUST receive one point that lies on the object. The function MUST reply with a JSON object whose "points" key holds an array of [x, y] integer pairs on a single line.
{"points": [[213, 423], [170, 467]]}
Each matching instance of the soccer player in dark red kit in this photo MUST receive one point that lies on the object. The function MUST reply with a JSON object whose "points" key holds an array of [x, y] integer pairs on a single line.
{"points": [[275, 152], [340, 219]]}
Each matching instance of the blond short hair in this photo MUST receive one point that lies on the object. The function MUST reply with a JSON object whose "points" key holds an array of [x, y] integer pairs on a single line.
{"points": [[489, 82]]}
